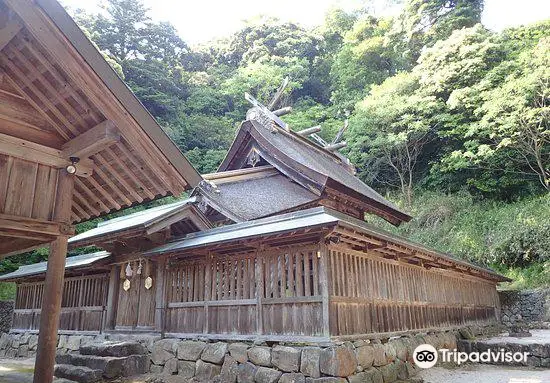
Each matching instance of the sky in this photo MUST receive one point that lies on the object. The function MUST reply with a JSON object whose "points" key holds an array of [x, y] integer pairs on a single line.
{"points": [[198, 21]]}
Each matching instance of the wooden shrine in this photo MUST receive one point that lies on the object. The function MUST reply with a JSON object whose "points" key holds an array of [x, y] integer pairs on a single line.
{"points": [[273, 246]]}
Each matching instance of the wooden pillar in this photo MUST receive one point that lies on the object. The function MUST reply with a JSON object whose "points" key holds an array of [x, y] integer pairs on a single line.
{"points": [[324, 278], [259, 289], [112, 295], [53, 285], [160, 295], [207, 291]]}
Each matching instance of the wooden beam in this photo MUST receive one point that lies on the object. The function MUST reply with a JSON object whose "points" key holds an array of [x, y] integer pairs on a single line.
{"points": [[283, 111], [308, 131], [335, 147], [277, 97], [92, 141], [32, 227], [8, 32], [30, 151]]}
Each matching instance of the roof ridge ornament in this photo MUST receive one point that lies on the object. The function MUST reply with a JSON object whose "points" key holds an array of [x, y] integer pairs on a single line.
{"points": [[263, 115]]}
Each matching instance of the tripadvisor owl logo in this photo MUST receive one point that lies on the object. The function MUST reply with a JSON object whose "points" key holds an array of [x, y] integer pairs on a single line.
{"points": [[425, 356]]}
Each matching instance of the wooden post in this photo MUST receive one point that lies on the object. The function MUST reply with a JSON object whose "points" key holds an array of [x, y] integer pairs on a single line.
{"points": [[324, 274], [112, 295], [207, 291], [160, 296], [259, 289], [53, 285]]}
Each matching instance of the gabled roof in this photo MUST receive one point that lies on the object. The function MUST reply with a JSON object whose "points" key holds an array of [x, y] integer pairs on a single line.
{"points": [[54, 77], [246, 194], [319, 217], [147, 221], [306, 163], [70, 263]]}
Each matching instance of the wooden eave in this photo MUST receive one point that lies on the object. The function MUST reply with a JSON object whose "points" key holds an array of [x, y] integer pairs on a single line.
{"points": [[403, 251], [147, 229], [59, 94]]}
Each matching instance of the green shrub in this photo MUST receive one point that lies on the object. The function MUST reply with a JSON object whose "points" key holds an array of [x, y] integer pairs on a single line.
{"points": [[526, 245]]}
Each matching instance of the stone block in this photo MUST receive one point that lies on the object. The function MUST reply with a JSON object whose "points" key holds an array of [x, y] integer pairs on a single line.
{"points": [[379, 355], [239, 351], [190, 350], [267, 375], [309, 364], [214, 352], [286, 359], [228, 372], [23, 351], [170, 367], [390, 372], [338, 361], [246, 373], [260, 356], [163, 350], [73, 343], [156, 369], [186, 368], [62, 343], [365, 356], [206, 371]]}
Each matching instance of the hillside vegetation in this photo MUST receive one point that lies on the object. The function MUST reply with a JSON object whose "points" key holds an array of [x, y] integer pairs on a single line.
{"points": [[445, 116]]}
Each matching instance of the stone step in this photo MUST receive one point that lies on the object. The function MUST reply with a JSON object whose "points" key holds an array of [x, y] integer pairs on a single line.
{"points": [[113, 349], [79, 374], [112, 366], [63, 380]]}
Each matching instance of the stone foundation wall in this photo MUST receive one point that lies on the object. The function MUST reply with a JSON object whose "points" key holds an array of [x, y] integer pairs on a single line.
{"points": [[369, 360], [530, 306], [6, 315]]}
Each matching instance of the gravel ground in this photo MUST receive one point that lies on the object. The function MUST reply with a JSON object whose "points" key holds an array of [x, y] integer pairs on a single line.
{"points": [[16, 370], [482, 373]]}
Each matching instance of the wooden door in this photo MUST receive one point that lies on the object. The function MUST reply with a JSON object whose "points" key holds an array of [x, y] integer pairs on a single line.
{"points": [[136, 307]]}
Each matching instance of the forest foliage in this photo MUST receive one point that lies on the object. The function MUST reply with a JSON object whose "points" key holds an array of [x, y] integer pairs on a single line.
{"points": [[447, 117]]}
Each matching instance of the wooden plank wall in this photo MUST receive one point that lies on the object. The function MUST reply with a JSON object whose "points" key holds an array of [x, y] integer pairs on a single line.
{"points": [[82, 306], [369, 294], [20, 181], [271, 292], [136, 307]]}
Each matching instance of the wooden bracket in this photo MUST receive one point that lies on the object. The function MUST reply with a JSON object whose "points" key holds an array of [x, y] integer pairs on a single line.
{"points": [[30, 151], [92, 141]]}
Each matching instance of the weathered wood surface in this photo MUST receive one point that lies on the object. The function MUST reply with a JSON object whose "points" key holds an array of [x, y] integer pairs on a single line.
{"points": [[136, 307], [265, 292], [82, 305], [308, 291], [370, 294]]}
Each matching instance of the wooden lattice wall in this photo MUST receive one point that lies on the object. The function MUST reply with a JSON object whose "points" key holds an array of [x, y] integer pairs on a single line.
{"points": [[274, 292], [369, 294], [82, 307], [298, 292]]}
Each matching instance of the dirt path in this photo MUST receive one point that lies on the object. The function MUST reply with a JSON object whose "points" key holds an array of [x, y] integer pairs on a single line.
{"points": [[485, 374]]}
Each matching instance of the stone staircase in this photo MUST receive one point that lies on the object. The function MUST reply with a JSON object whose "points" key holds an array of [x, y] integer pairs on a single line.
{"points": [[99, 362]]}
